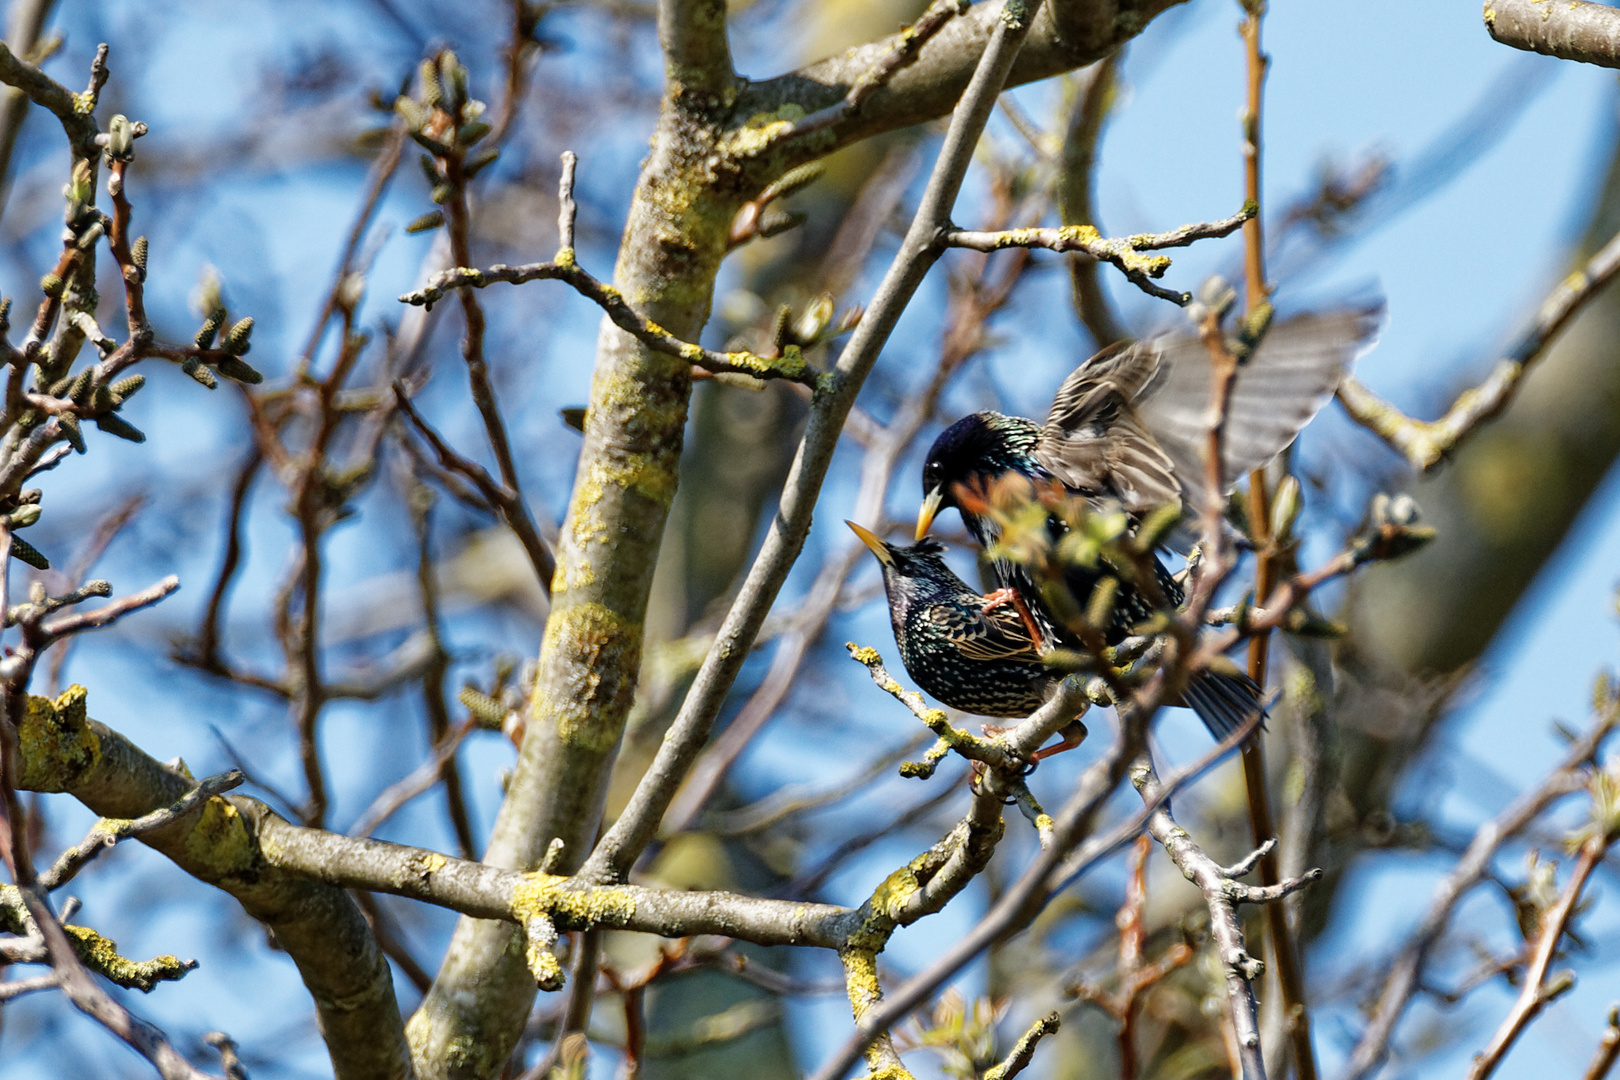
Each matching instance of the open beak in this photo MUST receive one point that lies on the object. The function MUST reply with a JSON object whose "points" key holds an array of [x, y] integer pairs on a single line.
{"points": [[925, 515], [873, 541]]}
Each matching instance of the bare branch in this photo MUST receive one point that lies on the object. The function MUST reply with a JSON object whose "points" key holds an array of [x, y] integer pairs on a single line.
{"points": [[1425, 443], [107, 614], [902, 51], [1569, 29], [1125, 252], [1537, 991], [108, 832], [1222, 894], [790, 366], [1405, 971], [1024, 1050], [1608, 1049], [507, 502]]}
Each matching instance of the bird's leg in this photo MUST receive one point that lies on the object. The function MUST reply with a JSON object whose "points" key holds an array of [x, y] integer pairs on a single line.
{"points": [[1074, 733], [1009, 595]]}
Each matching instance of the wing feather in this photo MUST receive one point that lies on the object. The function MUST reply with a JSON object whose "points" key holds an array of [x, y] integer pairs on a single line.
{"points": [[998, 634], [1284, 385]]}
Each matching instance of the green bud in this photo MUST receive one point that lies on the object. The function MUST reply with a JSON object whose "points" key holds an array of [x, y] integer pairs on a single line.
{"points": [[430, 144], [239, 370], [1154, 527], [79, 390], [51, 286], [5, 314], [476, 163], [432, 91], [69, 425], [138, 254], [815, 319], [116, 425], [1285, 507], [24, 516], [128, 387], [210, 327], [412, 112], [430, 168], [198, 371], [469, 133], [794, 180], [489, 712], [237, 340], [427, 222], [441, 193], [777, 222], [28, 553], [1100, 607]]}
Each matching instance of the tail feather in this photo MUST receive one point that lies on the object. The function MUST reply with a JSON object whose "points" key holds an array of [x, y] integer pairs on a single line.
{"points": [[1223, 702]]}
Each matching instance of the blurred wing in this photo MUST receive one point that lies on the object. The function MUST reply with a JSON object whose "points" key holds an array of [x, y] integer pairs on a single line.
{"points": [[1093, 441], [1285, 383], [999, 634]]}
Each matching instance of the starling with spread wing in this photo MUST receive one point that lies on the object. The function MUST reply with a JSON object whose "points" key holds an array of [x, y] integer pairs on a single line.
{"points": [[1127, 431]]}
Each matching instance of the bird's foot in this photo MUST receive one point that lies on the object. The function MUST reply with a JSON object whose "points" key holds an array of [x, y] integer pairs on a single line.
{"points": [[1074, 733], [1008, 595]]}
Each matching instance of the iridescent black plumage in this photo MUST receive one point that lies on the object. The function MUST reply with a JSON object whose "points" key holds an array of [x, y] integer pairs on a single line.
{"points": [[978, 661], [1127, 431]]}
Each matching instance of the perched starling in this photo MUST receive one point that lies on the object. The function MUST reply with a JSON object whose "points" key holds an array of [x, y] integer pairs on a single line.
{"points": [[1127, 431], [980, 661]]}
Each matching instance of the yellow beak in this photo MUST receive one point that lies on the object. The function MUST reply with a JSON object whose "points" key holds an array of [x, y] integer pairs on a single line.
{"points": [[925, 515], [873, 541]]}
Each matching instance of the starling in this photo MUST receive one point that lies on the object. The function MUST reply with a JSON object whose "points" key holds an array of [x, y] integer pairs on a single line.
{"points": [[1127, 432], [979, 658]]}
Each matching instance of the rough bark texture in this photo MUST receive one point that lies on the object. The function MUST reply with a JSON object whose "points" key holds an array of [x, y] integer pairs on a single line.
{"points": [[320, 927]]}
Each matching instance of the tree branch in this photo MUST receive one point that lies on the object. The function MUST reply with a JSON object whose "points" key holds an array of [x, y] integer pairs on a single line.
{"points": [[697, 58], [1426, 443], [1568, 29], [1125, 252], [1406, 969]]}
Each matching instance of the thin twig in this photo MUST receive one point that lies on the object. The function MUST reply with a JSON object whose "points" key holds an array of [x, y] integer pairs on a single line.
{"points": [[1608, 1048], [1536, 991], [506, 501], [1406, 968], [1124, 252], [106, 833]]}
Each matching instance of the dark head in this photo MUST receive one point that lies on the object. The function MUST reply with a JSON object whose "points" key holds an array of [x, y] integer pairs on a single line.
{"points": [[917, 571], [978, 447]]}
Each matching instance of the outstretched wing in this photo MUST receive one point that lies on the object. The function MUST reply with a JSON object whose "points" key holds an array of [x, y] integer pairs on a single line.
{"points": [[1286, 382], [1095, 443]]}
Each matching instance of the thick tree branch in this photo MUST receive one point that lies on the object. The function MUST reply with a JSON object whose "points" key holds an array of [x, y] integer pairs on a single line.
{"points": [[1066, 34], [1567, 29], [319, 927], [697, 57]]}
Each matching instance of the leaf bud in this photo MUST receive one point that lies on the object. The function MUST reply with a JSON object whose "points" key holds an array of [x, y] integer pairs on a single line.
{"points": [[237, 340]]}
